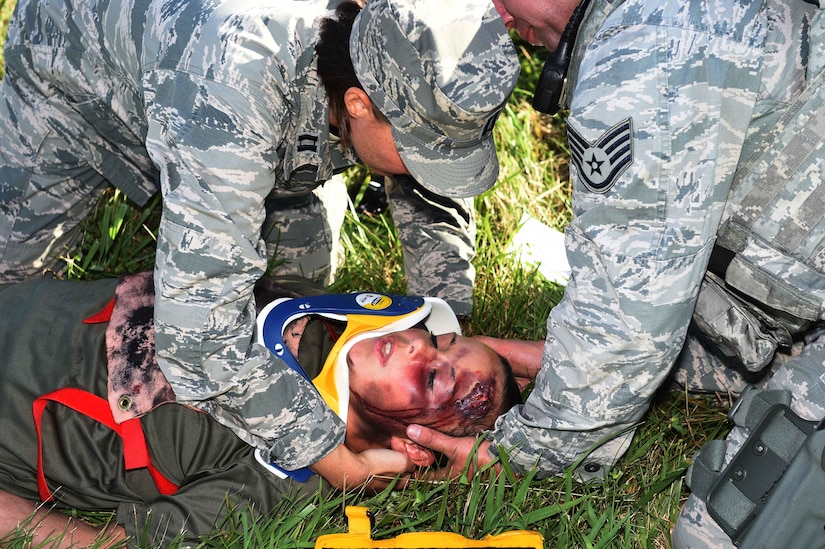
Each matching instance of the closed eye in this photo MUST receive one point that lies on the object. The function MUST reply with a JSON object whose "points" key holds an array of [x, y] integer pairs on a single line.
{"points": [[434, 340], [431, 380]]}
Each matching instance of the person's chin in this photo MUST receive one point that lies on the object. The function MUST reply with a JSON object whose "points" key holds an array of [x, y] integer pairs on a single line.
{"points": [[549, 40]]}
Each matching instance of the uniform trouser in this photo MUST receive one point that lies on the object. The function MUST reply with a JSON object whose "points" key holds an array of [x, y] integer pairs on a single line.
{"points": [[46, 188], [701, 368], [437, 237], [803, 374], [302, 234]]}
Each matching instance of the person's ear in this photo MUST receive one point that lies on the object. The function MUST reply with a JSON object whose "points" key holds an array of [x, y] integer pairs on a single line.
{"points": [[422, 457], [357, 103]]}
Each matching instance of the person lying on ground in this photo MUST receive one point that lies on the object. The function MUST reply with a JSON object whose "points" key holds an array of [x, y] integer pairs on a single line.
{"points": [[58, 335]]}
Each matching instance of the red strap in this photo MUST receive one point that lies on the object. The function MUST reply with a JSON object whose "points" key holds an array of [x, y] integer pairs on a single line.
{"points": [[135, 451], [335, 335], [103, 316]]}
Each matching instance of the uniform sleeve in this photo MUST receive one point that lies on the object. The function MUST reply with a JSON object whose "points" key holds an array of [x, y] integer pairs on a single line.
{"points": [[437, 237], [656, 127], [216, 147]]}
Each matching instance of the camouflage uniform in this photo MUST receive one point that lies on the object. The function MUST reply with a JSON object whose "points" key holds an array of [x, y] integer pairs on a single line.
{"points": [[451, 234], [803, 374], [219, 102], [215, 95], [668, 97], [436, 233]]}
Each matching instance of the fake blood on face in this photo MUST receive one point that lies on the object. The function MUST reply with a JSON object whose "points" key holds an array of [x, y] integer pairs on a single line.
{"points": [[445, 382], [451, 417]]}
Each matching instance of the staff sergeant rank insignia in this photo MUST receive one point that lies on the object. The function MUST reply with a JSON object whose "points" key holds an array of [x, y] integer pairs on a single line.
{"points": [[601, 163]]}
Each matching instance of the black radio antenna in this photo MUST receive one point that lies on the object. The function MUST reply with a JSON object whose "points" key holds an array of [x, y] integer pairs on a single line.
{"points": [[553, 77]]}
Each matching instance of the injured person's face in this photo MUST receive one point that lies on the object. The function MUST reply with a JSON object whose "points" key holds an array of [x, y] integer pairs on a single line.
{"points": [[448, 382]]}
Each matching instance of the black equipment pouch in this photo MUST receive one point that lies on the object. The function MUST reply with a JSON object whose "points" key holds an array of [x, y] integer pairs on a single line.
{"points": [[740, 330], [772, 492]]}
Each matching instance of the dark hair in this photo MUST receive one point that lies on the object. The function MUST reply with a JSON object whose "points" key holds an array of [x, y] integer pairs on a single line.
{"points": [[335, 64], [511, 395]]}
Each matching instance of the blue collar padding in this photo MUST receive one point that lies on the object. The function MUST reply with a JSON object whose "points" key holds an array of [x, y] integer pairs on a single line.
{"points": [[298, 475]]}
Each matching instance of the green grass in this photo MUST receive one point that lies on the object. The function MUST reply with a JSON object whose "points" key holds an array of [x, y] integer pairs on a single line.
{"points": [[6, 7], [634, 507]]}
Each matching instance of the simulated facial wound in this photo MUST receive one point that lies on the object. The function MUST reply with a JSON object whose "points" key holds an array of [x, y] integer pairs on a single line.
{"points": [[446, 382]]}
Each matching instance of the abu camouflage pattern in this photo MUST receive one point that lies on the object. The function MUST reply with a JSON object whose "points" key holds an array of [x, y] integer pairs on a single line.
{"points": [[774, 233], [443, 105], [220, 104], [766, 281], [600, 164], [803, 375], [77, 115], [226, 100], [436, 233], [302, 232], [437, 255], [697, 80], [773, 221], [702, 368]]}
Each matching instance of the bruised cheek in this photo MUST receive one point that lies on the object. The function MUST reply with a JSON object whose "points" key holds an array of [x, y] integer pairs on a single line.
{"points": [[386, 409], [478, 403], [389, 396], [399, 400]]}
